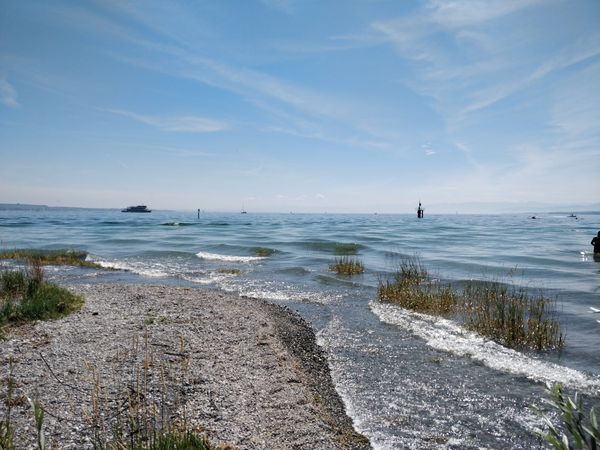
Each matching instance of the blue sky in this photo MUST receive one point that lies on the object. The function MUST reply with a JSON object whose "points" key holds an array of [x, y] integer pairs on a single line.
{"points": [[283, 105]]}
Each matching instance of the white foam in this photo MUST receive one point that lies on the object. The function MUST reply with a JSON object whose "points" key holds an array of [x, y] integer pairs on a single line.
{"points": [[211, 278], [272, 290], [155, 270], [228, 258], [443, 334]]}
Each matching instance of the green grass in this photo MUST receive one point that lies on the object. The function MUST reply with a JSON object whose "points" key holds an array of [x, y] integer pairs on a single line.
{"points": [[26, 296], [347, 266], [180, 440], [508, 315], [51, 257]]}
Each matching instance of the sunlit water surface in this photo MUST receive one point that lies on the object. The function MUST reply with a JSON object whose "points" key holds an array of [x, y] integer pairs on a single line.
{"points": [[408, 380]]}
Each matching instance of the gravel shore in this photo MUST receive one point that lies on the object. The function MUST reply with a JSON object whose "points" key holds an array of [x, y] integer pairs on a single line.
{"points": [[245, 372]]}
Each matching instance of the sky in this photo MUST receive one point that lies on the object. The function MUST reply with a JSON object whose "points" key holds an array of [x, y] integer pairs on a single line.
{"points": [[303, 106]]}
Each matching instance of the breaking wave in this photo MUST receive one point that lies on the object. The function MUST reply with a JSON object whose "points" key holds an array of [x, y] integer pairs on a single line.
{"points": [[443, 334], [228, 258]]}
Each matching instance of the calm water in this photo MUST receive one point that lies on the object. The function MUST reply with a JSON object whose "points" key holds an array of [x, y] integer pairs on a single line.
{"points": [[408, 380]]}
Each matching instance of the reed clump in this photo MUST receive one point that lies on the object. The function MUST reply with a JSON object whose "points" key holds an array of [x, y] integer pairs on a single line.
{"points": [[512, 316], [51, 257], [347, 266], [412, 288], [26, 296], [508, 315]]}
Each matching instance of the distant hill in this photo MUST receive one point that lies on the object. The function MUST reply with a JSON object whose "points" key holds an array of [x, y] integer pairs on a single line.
{"points": [[514, 207], [21, 206]]}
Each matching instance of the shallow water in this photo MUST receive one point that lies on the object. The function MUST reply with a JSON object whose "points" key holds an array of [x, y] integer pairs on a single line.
{"points": [[408, 380]]}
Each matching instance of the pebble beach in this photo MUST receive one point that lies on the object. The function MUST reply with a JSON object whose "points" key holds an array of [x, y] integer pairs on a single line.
{"points": [[246, 373]]}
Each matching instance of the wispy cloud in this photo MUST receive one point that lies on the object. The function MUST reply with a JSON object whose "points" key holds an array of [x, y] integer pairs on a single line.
{"points": [[272, 94], [478, 68], [456, 14], [581, 51], [8, 94], [428, 149], [187, 124]]}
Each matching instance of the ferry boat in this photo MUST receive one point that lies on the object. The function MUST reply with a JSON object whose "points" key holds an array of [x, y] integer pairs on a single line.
{"points": [[137, 209]]}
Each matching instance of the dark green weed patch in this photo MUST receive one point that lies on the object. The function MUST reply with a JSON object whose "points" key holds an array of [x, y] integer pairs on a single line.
{"points": [[51, 257]]}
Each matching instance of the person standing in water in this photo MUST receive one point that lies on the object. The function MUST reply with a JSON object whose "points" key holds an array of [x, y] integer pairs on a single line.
{"points": [[596, 243]]}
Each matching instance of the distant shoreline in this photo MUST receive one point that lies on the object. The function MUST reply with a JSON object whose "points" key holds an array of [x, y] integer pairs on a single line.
{"points": [[432, 210]]}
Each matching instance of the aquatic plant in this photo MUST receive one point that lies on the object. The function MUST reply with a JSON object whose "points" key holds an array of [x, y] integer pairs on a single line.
{"points": [[263, 251], [229, 271], [507, 315], [582, 430], [511, 316], [347, 266], [411, 288], [51, 257]]}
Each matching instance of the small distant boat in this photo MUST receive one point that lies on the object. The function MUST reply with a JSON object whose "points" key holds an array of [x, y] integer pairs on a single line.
{"points": [[573, 215], [420, 211], [137, 209]]}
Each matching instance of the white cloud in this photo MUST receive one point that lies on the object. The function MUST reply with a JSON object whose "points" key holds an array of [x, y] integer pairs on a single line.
{"points": [[456, 14], [187, 124], [8, 94]]}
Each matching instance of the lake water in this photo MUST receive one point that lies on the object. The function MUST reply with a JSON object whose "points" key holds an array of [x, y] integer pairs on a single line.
{"points": [[408, 380]]}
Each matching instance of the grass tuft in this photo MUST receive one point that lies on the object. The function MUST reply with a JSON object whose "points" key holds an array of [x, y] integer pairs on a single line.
{"points": [[511, 316], [507, 315], [411, 288], [25, 296], [51, 257], [347, 266]]}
